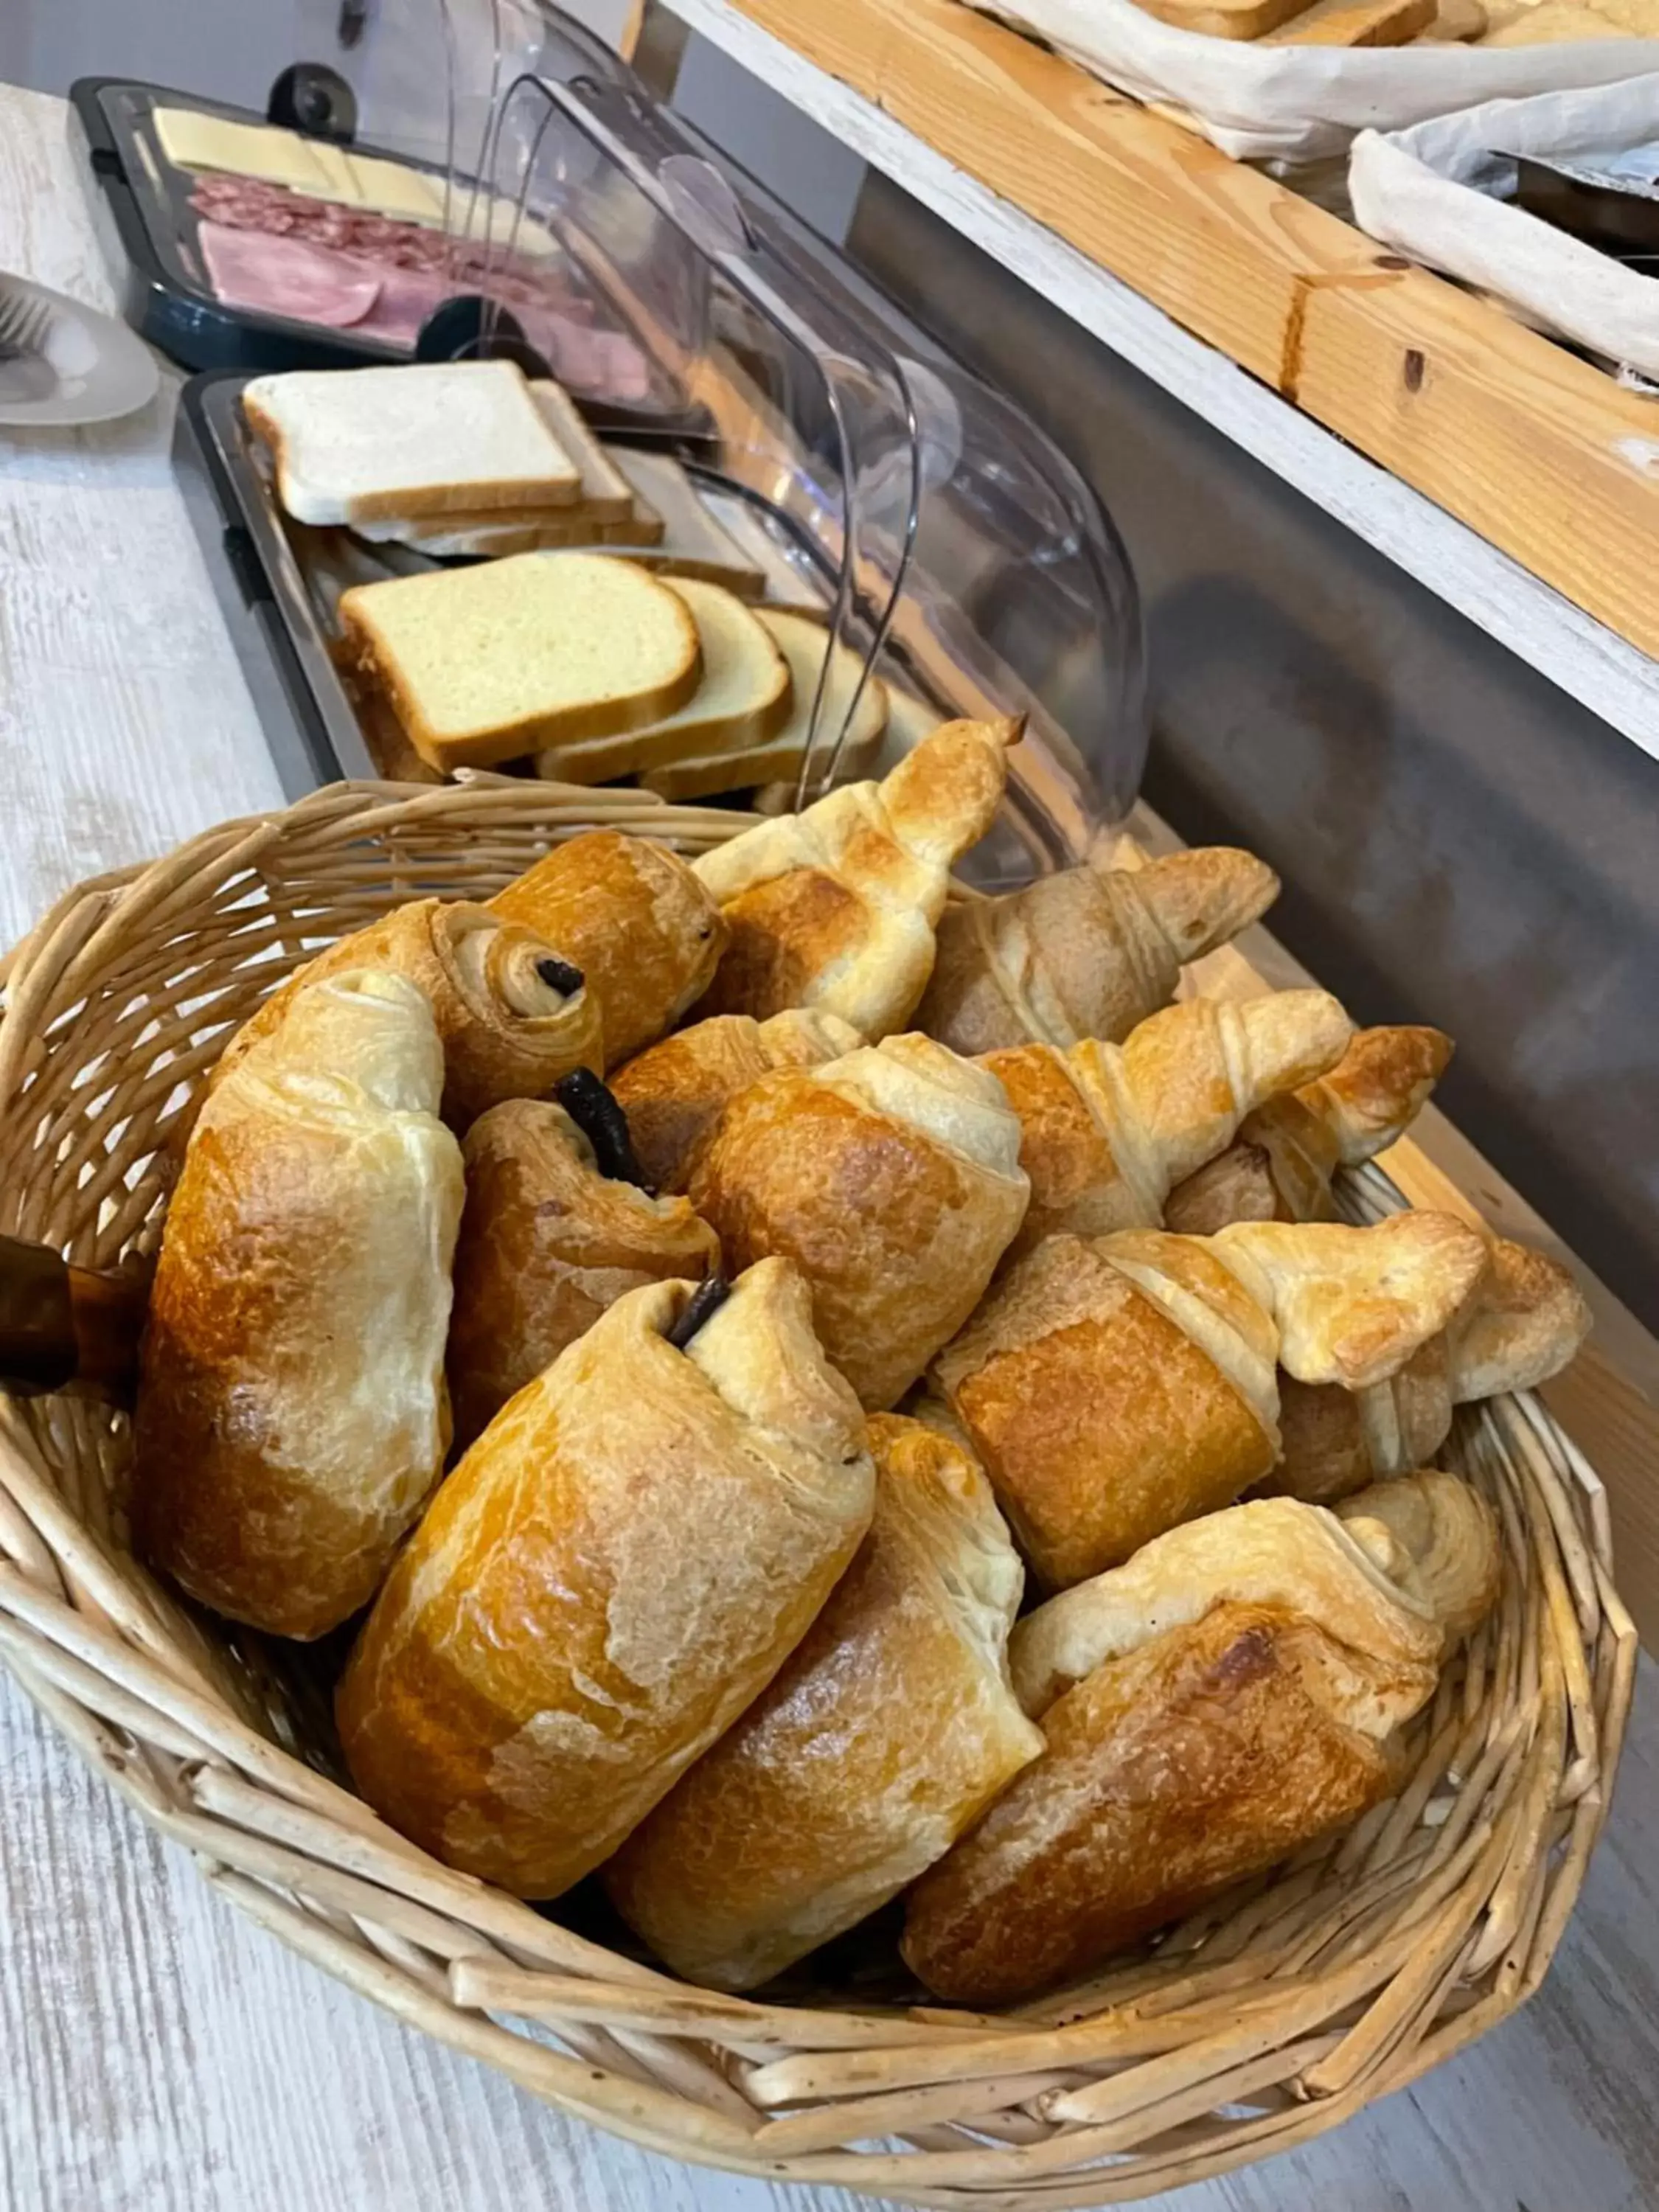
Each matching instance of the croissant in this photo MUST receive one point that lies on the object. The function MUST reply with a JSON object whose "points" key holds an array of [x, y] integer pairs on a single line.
{"points": [[892, 1178], [1289, 1149], [836, 907], [551, 1236], [633, 917], [1436, 1538], [1088, 952], [1109, 1129], [1523, 1324], [1115, 1386], [314, 1219], [617, 1567], [884, 1737], [675, 1092], [1232, 1693], [513, 1015]]}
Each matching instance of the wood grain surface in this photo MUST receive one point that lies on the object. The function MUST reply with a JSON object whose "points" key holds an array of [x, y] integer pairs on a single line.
{"points": [[157, 2054], [1538, 451]]}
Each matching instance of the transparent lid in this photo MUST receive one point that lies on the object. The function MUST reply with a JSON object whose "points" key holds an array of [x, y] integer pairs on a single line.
{"points": [[959, 562], [956, 561]]}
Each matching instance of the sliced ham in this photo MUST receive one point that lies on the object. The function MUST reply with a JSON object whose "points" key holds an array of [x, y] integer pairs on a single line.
{"points": [[288, 277], [280, 253]]}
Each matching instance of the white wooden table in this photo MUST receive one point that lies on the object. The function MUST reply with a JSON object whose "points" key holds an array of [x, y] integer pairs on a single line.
{"points": [[158, 2055]]}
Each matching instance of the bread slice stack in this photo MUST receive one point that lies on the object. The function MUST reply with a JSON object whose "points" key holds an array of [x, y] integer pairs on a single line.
{"points": [[745, 696], [605, 510], [487, 664], [642, 504], [449, 458], [583, 659], [365, 445], [803, 641], [673, 681]]}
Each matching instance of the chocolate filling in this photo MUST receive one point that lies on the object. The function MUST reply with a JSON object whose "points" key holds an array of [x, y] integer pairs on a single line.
{"points": [[561, 975], [703, 1304], [593, 1106]]}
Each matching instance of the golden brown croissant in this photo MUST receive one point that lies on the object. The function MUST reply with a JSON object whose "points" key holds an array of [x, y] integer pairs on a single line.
{"points": [[675, 1092], [1230, 1693], [1436, 1537], [551, 1235], [1289, 1149], [892, 1178], [884, 1737], [633, 917], [291, 1413], [1088, 952], [619, 1566], [836, 907], [1116, 1386], [1109, 1129], [513, 1015], [1524, 1322]]}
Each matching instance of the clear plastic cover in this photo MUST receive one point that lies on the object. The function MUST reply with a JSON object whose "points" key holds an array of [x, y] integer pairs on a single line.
{"points": [[956, 562], [952, 549]]}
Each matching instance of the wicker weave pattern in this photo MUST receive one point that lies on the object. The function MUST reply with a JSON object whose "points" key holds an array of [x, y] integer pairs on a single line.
{"points": [[1264, 2021]]}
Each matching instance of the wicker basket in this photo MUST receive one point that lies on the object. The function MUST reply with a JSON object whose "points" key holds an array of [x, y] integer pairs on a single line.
{"points": [[1262, 2022]]}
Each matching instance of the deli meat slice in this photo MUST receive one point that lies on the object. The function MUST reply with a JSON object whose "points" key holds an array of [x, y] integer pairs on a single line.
{"points": [[281, 275], [280, 253]]}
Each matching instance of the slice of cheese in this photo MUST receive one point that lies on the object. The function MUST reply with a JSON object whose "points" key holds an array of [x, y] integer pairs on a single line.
{"points": [[193, 139], [392, 188]]}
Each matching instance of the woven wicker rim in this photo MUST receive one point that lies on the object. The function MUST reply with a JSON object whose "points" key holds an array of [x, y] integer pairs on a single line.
{"points": [[1260, 2023]]}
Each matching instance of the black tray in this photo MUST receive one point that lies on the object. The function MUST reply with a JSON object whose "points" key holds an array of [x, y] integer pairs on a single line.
{"points": [[133, 199]]}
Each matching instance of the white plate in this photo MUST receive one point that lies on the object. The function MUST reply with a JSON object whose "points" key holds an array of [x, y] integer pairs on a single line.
{"points": [[103, 370]]}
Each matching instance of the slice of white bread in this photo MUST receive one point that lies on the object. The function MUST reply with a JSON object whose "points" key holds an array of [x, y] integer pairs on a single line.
{"points": [[485, 664], [664, 485], [688, 541], [606, 497], [548, 532], [909, 721], [802, 639], [744, 698], [352, 444]]}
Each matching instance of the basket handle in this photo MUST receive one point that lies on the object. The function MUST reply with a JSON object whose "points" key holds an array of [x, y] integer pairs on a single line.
{"points": [[62, 1327]]}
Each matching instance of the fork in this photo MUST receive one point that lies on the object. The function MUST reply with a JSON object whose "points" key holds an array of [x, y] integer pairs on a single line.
{"points": [[24, 323]]}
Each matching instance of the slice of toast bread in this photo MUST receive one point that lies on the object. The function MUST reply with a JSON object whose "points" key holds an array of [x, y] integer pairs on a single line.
{"points": [[744, 699], [486, 664], [433, 438], [802, 639]]}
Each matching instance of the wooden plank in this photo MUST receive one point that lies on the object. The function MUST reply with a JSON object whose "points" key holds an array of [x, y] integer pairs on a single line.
{"points": [[1540, 453], [1538, 624]]}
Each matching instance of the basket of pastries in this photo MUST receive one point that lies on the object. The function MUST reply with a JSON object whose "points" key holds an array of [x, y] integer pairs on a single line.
{"points": [[808, 1509]]}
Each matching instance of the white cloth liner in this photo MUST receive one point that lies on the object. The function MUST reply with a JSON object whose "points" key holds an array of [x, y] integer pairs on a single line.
{"points": [[1295, 103], [1428, 190]]}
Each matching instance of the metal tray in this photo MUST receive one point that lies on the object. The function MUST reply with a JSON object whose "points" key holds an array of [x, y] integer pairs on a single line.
{"points": [[278, 583]]}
